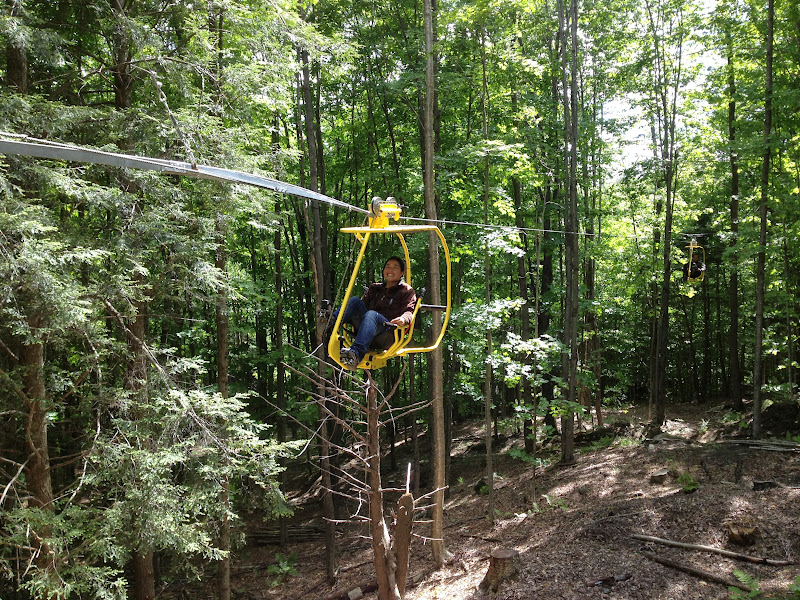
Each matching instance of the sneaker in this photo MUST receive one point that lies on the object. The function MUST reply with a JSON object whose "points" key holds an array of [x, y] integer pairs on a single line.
{"points": [[349, 358]]}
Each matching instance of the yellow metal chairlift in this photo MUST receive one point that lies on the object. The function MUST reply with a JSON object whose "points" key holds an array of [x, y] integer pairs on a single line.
{"points": [[695, 248], [381, 211]]}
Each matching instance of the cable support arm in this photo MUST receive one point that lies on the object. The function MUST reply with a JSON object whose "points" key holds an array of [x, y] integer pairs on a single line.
{"points": [[68, 152]]}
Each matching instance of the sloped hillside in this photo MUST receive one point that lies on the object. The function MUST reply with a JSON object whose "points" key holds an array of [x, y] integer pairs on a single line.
{"points": [[700, 482]]}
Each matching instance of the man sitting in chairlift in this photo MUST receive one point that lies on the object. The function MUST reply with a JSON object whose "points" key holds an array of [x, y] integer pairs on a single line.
{"points": [[695, 268], [390, 302]]}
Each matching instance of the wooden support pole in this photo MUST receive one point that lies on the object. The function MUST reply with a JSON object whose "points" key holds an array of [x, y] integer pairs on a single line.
{"points": [[383, 554]]}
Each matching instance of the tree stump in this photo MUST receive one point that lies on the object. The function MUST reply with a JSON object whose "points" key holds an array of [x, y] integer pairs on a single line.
{"points": [[742, 532], [502, 566]]}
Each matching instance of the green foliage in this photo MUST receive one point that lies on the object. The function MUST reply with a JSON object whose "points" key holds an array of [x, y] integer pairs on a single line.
{"points": [[552, 503], [688, 482], [748, 580], [520, 454], [283, 568], [75, 532], [604, 442], [556, 502], [735, 418], [627, 442], [794, 589], [541, 355]]}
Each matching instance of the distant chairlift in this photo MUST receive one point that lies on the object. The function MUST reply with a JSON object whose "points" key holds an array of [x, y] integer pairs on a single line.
{"points": [[696, 267]]}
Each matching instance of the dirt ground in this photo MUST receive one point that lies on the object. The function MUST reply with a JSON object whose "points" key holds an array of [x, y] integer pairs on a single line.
{"points": [[573, 526]]}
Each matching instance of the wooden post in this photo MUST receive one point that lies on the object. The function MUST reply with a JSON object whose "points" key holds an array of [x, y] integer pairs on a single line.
{"points": [[383, 554], [402, 539]]}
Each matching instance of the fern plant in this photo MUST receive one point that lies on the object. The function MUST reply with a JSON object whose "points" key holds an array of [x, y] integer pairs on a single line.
{"points": [[283, 567], [749, 581], [688, 482]]}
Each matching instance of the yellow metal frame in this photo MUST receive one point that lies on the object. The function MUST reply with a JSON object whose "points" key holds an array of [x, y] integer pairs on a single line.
{"points": [[695, 247], [381, 212]]}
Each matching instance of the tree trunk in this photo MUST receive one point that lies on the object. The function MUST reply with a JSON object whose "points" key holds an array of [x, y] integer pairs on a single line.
{"points": [[280, 376], [122, 55], [762, 237], [665, 104], [37, 470], [789, 319], [412, 398], [37, 467], [662, 344], [17, 67], [221, 312], [733, 289], [487, 274], [381, 547], [215, 20], [402, 539], [136, 381], [224, 564], [595, 185], [570, 356], [542, 311], [317, 265], [705, 374], [522, 291], [438, 550], [145, 581]]}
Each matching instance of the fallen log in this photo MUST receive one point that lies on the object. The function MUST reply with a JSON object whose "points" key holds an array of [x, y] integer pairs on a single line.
{"points": [[696, 572], [354, 592], [753, 559], [770, 445], [357, 591]]}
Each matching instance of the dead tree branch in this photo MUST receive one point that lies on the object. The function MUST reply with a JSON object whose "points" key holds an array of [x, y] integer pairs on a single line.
{"points": [[753, 559], [696, 572]]}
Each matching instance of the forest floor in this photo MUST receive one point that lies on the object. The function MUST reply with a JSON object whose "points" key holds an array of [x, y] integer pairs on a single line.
{"points": [[698, 482]]}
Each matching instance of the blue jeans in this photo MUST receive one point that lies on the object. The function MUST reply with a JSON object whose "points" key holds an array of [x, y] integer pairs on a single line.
{"points": [[368, 324]]}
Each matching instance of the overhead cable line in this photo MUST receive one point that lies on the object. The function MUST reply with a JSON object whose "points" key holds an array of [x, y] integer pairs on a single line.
{"points": [[504, 227]]}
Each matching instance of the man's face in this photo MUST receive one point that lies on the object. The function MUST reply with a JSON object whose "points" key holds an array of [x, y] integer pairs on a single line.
{"points": [[392, 273]]}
